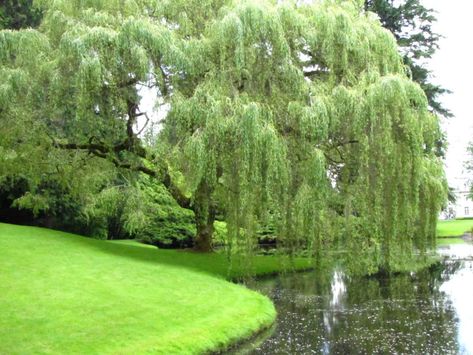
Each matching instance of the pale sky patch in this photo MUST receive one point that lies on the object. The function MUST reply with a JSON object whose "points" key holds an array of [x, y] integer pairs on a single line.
{"points": [[451, 66]]}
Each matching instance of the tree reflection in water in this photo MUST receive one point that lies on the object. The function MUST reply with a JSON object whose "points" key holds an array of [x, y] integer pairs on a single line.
{"points": [[322, 313]]}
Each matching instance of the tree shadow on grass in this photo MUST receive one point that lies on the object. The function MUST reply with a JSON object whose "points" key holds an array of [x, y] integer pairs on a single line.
{"points": [[215, 264], [210, 263]]}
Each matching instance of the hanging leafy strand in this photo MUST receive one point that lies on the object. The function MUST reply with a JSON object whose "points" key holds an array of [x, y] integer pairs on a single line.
{"points": [[296, 115]]}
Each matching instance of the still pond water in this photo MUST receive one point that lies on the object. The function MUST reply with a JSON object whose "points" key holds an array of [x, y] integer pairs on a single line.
{"points": [[429, 312]]}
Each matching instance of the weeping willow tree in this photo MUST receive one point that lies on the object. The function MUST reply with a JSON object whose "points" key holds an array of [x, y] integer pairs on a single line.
{"points": [[298, 115]]}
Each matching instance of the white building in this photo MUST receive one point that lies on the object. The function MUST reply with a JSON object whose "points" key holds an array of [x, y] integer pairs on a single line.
{"points": [[463, 207]]}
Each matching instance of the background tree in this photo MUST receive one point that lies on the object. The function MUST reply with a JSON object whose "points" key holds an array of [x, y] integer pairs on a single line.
{"points": [[16, 14], [411, 24]]}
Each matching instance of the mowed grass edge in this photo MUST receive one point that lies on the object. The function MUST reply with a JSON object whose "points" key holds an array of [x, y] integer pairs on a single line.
{"points": [[63, 293], [454, 227]]}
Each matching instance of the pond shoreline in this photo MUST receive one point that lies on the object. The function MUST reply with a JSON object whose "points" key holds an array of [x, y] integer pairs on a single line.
{"points": [[301, 328]]}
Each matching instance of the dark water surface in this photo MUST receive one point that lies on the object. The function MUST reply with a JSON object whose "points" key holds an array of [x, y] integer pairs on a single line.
{"points": [[429, 312]]}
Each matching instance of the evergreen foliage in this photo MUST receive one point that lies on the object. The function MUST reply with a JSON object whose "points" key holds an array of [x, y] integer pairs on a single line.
{"points": [[16, 14], [299, 115], [411, 24]]}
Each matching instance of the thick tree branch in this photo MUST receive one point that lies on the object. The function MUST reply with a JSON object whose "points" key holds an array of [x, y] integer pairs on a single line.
{"points": [[341, 144], [310, 73], [130, 82], [86, 146], [110, 154]]}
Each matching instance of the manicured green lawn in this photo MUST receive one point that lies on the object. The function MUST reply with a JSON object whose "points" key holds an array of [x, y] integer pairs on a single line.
{"points": [[450, 241], [62, 293], [454, 228]]}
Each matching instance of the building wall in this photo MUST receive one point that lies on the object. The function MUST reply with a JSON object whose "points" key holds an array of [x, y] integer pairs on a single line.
{"points": [[463, 207]]}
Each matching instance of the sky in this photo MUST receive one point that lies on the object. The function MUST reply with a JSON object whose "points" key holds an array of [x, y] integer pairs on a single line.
{"points": [[452, 68]]}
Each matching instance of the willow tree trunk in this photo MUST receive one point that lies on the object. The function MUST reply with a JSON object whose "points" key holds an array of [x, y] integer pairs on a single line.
{"points": [[204, 218], [205, 229]]}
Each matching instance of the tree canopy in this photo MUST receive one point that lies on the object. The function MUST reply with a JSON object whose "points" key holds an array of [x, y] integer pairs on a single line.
{"points": [[300, 116]]}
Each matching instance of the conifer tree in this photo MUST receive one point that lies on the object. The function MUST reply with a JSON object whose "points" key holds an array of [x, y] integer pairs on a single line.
{"points": [[411, 24]]}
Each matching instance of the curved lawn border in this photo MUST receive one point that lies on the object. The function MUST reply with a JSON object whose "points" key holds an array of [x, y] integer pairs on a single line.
{"points": [[62, 293]]}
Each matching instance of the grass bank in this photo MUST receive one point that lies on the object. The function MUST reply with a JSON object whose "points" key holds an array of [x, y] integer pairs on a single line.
{"points": [[63, 293], [449, 241], [454, 228]]}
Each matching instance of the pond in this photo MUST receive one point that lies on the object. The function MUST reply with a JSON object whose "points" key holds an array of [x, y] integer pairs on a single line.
{"points": [[428, 312]]}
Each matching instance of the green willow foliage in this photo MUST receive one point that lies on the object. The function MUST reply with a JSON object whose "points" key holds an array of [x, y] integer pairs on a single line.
{"points": [[299, 115]]}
